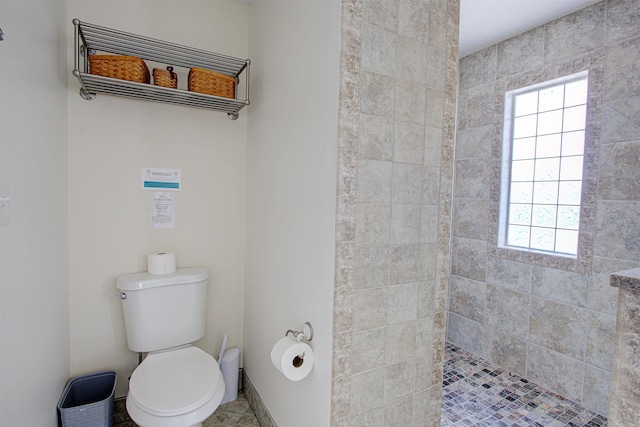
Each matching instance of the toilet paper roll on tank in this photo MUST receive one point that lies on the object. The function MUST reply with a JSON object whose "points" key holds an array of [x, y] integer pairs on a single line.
{"points": [[161, 263], [294, 359]]}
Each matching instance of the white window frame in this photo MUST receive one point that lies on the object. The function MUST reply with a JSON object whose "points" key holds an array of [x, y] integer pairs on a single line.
{"points": [[505, 186]]}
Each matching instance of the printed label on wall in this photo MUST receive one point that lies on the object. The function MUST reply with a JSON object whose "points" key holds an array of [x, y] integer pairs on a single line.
{"points": [[162, 210], [161, 179]]}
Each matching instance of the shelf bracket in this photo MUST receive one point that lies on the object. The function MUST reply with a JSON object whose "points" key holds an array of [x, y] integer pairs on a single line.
{"points": [[86, 95]]}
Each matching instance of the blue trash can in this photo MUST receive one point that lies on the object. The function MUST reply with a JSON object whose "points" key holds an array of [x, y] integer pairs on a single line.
{"points": [[87, 400]]}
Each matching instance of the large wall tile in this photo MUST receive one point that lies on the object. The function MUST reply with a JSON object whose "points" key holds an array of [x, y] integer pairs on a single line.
{"points": [[476, 106], [618, 126], [555, 371], [405, 224], [603, 298], [617, 230], [401, 342], [559, 327], [413, 20], [368, 350], [374, 181], [410, 102], [619, 172], [372, 267], [376, 137], [408, 143], [412, 60], [474, 143], [478, 68], [399, 380], [369, 309], [406, 185], [507, 351], [467, 298], [402, 304], [622, 20], [575, 34], [367, 390], [473, 179], [507, 311], [372, 224], [379, 48], [383, 13], [404, 264], [469, 258], [399, 413], [471, 218], [512, 275], [597, 389], [623, 74], [377, 94], [465, 333], [525, 52], [562, 286], [600, 341]]}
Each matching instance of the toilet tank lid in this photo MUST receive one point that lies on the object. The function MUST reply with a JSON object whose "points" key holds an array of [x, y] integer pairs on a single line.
{"points": [[144, 280]]}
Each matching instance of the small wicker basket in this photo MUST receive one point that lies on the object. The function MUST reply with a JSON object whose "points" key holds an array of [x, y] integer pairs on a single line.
{"points": [[165, 78], [119, 67], [212, 83]]}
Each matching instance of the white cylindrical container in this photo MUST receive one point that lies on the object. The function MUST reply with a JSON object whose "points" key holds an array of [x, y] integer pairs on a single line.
{"points": [[230, 367]]}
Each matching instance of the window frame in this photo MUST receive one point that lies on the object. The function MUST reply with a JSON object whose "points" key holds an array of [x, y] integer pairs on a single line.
{"points": [[593, 63], [507, 160]]}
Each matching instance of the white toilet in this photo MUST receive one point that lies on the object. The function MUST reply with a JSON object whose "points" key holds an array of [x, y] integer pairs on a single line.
{"points": [[177, 384]]}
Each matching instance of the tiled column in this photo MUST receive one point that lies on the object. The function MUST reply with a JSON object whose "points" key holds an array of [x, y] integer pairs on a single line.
{"points": [[624, 407], [395, 173]]}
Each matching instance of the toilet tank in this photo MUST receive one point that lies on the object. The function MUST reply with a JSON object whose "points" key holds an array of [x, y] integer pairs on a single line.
{"points": [[164, 311]]}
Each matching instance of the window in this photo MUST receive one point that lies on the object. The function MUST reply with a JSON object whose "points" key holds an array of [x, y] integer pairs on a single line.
{"points": [[542, 167]]}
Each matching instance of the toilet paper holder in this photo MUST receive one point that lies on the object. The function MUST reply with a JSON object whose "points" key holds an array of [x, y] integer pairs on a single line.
{"points": [[305, 334]]}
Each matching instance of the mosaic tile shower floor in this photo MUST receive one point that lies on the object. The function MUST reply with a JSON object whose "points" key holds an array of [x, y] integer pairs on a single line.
{"points": [[475, 393], [478, 393]]}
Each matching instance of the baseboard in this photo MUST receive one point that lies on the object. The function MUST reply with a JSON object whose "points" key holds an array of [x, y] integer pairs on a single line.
{"points": [[256, 403]]}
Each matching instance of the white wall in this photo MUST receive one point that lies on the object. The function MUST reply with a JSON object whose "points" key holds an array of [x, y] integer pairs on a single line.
{"points": [[291, 181], [110, 139], [34, 307]]}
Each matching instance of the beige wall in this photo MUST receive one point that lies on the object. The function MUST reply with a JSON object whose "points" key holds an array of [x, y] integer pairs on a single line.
{"points": [[34, 298], [291, 175], [551, 319], [110, 139]]}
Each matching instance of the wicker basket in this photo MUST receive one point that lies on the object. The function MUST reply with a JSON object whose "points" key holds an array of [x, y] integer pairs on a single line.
{"points": [[212, 83], [165, 78], [119, 67]]}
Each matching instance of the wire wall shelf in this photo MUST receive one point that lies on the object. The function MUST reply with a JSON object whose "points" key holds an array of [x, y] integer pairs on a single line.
{"points": [[90, 38]]}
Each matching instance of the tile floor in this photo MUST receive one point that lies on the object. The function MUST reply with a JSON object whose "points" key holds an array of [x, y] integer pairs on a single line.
{"points": [[237, 413], [478, 393]]}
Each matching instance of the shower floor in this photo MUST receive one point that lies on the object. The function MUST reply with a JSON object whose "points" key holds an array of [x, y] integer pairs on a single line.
{"points": [[478, 393]]}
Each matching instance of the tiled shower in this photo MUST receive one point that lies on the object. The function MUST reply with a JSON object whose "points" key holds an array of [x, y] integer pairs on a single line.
{"points": [[549, 319]]}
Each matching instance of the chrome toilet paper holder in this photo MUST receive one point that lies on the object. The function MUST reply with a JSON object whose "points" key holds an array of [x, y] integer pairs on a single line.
{"points": [[305, 334]]}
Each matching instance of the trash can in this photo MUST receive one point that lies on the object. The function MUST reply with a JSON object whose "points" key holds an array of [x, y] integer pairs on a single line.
{"points": [[230, 367], [87, 400]]}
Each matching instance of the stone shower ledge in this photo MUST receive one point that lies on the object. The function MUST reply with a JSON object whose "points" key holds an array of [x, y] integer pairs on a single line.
{"points": [[627, 279]]}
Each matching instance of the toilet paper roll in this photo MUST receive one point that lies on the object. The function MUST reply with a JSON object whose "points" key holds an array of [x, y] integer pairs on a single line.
{"points": [[161, 263], [294, 359]]}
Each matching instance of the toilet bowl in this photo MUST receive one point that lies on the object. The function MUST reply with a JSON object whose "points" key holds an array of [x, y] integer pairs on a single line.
{"points": [[175, 388], [177, 384]]}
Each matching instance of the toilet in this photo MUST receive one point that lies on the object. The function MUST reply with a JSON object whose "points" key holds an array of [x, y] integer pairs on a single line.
{"points": [[177, 384]]}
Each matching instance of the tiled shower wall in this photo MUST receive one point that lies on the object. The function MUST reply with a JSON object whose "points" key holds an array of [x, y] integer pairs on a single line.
{"points": [[395, 171], [550, 319]]}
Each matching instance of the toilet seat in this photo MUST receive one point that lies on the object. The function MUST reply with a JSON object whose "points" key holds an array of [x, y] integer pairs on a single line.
{"points": [[175, 382]]}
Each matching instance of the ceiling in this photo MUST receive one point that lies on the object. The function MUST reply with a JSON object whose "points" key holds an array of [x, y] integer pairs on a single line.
{"points": [[484, 23]]}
